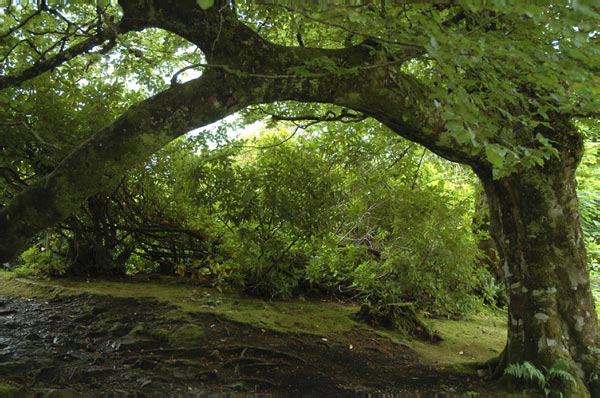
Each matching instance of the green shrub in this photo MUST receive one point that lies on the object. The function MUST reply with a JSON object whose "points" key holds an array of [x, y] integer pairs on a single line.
{"points": [[44, 260]]}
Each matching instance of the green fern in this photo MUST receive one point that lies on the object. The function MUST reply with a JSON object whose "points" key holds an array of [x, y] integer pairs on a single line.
{"points": [[560, 369], [528, 372]]}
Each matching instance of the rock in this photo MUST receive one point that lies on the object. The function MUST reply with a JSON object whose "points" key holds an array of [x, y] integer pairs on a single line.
{"points": [[144, 364], [11, 325], [132, 342], [32, 336], [118, 329], [9, 367], [188, 336]]}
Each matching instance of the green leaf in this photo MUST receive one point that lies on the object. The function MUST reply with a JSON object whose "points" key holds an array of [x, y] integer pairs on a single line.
{"points": [[585, 9], [432, 47], [205, 4], [495, 155], [532, 10], [459, 132], [434, 43]]}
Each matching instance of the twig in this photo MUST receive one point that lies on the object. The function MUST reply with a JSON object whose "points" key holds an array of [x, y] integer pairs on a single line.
{"points": [[32, 132], [412, 187], [399, 157], [20, 25]]}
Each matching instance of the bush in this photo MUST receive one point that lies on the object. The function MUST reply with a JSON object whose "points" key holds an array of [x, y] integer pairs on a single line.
{"points": [[44, 260]]}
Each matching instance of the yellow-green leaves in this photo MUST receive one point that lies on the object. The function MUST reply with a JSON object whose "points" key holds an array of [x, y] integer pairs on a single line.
{"points": [[205, 4]]}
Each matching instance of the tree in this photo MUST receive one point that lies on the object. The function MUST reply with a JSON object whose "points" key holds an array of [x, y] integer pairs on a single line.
{"points": [[495, 87]]}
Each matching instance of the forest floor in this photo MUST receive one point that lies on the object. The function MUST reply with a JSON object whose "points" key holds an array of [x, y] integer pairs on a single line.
{"points": [[173, 338]]}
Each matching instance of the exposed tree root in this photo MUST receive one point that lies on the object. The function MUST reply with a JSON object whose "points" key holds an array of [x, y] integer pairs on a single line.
{"points": [[259, 350], [400, 316]]}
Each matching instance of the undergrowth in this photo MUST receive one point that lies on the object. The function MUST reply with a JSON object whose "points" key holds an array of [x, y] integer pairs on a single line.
{"points": [[541, 379]]}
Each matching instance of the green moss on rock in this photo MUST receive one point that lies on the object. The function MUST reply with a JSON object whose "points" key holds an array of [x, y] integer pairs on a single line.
{"points": [[8, 388], [139, 330], [188, 336]]}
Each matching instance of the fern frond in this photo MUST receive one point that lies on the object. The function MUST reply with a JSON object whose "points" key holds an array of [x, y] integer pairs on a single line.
{"points": [[533, 374], [561, 369], [526, 371], [514, 369]]}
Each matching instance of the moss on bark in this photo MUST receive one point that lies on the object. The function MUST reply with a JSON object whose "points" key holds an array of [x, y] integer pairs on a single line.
{"points": [[535, 223]]}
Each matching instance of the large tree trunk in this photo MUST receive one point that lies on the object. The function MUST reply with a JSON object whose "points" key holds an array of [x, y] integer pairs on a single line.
{"points": [[535, 222]]}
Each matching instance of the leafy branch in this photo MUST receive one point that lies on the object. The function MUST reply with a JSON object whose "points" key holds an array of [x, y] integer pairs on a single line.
{"points": [[340, 26], [345, 117]]}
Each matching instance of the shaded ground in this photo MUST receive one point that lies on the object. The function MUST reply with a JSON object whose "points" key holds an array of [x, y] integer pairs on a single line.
{"points": [[96, 343]]}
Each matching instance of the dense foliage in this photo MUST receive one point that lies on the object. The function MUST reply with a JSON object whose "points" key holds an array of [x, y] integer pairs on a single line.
{"points": [[374, 218]]}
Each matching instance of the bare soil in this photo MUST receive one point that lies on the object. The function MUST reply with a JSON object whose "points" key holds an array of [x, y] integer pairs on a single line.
{"points": [[89, 343]]}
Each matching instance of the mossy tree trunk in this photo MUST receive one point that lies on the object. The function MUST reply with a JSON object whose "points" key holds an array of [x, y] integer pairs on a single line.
{"points": [[535, 222], [485, 242]]}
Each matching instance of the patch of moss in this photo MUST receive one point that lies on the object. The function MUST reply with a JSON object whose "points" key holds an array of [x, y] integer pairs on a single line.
{"points": [[11, 285], [321, 319], [477, 338], [161, 334], [110, 317], [156, 334], [139, 330], [188, 336], [178, 315], [8, 388]]}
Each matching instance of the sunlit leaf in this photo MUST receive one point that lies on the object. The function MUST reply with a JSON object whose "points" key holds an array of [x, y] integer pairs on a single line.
{"points": [[205, 4]]}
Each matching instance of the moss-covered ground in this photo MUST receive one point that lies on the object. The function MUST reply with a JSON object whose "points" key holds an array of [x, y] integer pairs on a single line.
{"points": [[475, 339], [295, 316]]}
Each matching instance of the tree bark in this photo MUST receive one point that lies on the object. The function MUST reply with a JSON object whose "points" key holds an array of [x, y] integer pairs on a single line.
{"points": [[535, 222], [486, 244]]}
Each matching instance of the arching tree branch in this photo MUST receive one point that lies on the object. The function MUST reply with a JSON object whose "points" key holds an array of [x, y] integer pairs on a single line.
{"points": [[401, 103]]}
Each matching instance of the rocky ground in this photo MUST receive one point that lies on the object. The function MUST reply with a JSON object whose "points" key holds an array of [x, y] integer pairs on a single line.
{"points": [[93, 343]]}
